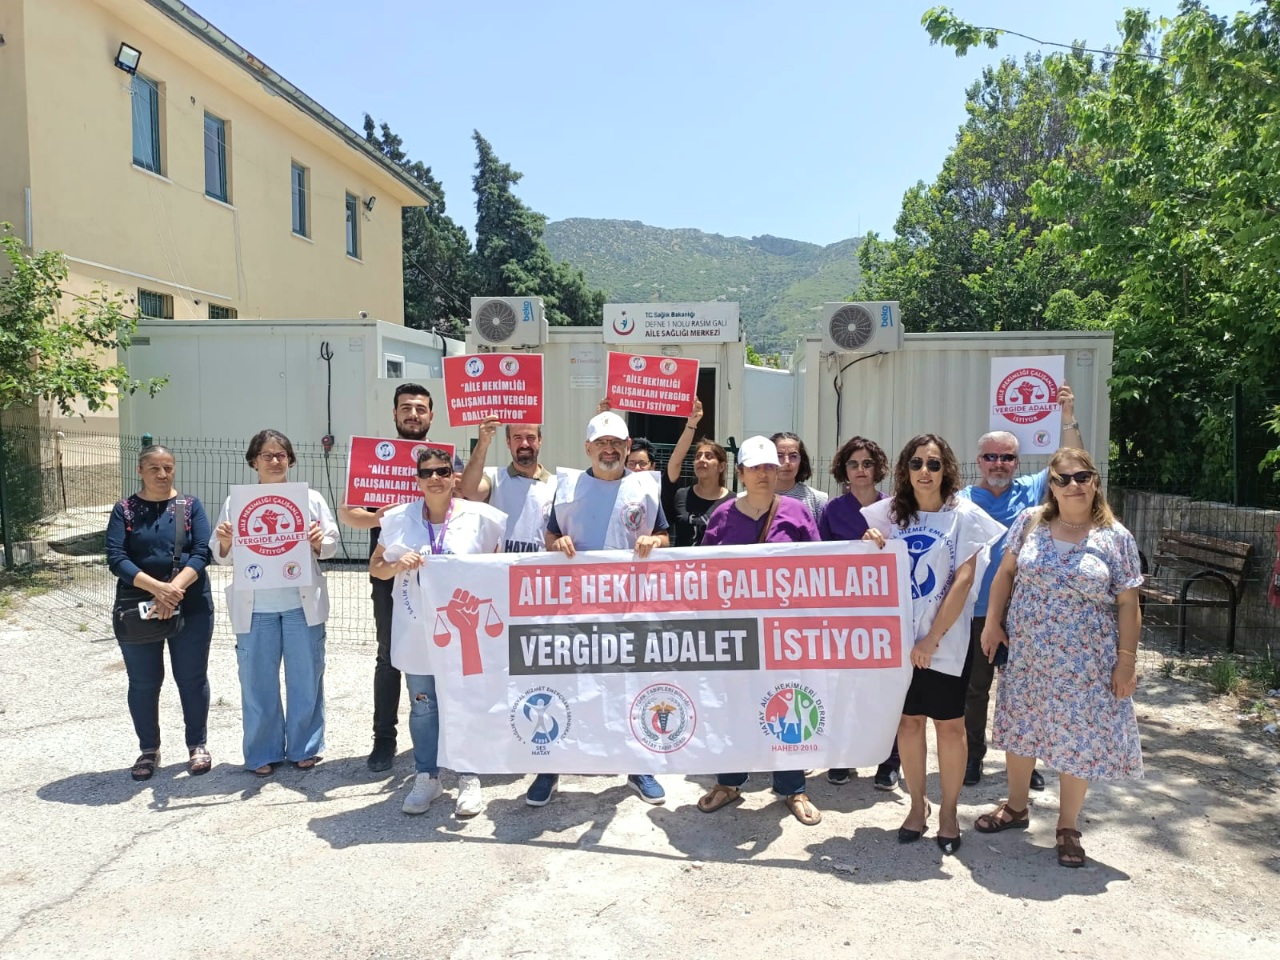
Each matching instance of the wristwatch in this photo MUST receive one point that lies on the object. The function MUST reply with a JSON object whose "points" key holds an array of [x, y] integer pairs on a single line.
{"points": [[1073, 425]]}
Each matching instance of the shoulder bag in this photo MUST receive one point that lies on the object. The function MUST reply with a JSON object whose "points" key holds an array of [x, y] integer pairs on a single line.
{"points": [[130, 626]]}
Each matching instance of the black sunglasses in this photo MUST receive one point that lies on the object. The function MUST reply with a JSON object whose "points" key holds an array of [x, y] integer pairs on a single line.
{"points": [[864, 464], [915, 463], [1064, 480], [424, 472], [999, 457]]}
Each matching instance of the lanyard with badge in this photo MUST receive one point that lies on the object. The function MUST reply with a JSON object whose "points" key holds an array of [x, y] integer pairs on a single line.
{"points": [[435, 542]]}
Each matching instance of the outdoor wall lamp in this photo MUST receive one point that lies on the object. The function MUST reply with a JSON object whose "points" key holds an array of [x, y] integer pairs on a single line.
{"points": [[127, 58], [369, 202]]}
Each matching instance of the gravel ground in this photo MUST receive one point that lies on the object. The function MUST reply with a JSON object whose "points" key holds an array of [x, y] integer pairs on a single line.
{"points": [[1184, 864]]}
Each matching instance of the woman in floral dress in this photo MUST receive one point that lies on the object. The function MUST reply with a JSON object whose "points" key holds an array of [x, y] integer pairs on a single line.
{"points": [[1073, 629]]}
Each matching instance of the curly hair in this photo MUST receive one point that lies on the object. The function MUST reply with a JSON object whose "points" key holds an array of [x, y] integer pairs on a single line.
{"points": [[905, 509], [262, 438], [805, 470], [846, 452]]}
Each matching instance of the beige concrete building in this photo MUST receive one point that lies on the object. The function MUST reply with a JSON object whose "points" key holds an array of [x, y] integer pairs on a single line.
{"points": [[194, 179]]}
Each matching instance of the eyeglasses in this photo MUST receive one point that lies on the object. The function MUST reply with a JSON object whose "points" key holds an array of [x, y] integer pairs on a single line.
{"points": [[915, 463], [1064, 480], [425, 472], [609, 443], [864, 464], [274, 457], [999, 457], [788, 458], [639, 464]]}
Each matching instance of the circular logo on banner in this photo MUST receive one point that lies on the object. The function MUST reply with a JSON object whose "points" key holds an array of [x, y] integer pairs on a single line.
{"points": [[1041, 439], [636, 363], [254, 572], [416, 452], [385, 450], [668, 366], [792, 714], [474, 367], [271, 525], [663, 718], [1025, 395], [292, 570], [624, 326], [540, 717], [509, 366]]}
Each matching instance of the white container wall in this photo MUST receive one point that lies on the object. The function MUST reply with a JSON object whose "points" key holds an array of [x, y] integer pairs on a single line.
{"points": [[940, 383], [768, 408]]}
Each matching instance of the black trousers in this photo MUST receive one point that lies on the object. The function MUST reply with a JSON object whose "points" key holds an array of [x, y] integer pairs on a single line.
{"points": [[978, 697], [386, 678]]}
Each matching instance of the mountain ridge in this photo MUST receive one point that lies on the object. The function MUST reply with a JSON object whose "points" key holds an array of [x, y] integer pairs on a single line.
{"points": [[780, 283]]}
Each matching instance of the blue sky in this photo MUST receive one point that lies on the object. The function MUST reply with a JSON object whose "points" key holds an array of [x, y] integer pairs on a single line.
{"points": [[805, 120]]}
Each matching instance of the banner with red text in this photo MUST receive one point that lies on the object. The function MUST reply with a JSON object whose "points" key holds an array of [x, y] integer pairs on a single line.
{"points": [[382, 471], [666, 386], [504, 385], [697, 660], [1024, 400]]}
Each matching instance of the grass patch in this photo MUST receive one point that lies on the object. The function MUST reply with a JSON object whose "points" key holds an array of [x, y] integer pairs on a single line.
{"points": [[28, 580], [1224, 676]]}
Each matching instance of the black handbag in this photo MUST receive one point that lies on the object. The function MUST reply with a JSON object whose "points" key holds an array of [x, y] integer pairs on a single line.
{"points": [[130, 625]]}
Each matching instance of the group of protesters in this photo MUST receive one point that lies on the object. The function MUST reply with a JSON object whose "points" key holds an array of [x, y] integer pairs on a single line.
{"points": [[1039, 579]]}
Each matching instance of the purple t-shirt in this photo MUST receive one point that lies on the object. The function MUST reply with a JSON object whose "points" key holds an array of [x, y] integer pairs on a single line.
{"points": [[727, 525], [843, 519]]}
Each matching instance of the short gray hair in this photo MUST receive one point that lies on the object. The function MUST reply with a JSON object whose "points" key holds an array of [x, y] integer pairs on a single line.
{"points": [[1003, 436]]}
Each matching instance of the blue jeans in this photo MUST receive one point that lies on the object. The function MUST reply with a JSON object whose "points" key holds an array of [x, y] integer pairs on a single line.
{"points": [[424, 722], [189, 657], [296, 732], [786, 783]]}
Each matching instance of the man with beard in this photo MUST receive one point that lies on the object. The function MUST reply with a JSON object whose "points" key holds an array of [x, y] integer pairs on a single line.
{"points": [[1003, 496], [605, 507], [523, 490], [413, 411]]}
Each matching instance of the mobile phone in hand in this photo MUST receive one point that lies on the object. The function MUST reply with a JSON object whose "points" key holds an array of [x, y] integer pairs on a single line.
{"points": [[146, 609]]}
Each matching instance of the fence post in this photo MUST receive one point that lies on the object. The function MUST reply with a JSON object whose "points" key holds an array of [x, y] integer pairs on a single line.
{"points": [[6, 534]]}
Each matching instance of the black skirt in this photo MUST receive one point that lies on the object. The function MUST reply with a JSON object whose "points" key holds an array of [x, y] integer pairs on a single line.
{"points": [[938, 696]]}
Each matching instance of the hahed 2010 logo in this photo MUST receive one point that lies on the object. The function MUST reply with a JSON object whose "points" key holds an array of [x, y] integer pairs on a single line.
{"points": [[793, 715]]}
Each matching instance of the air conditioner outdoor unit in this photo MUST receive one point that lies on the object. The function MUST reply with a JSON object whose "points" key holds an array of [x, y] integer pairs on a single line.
{"points": [[508, 321], [861, 327]]}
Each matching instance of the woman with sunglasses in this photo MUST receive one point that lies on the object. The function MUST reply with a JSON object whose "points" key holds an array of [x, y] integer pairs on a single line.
{"points": [[944, 535], [858, 466], [1069, 580], [794, 469], [281, 624], [413, 535]]}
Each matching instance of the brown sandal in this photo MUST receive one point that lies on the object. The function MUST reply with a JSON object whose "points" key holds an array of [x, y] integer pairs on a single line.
{"points": [[144, 768], [995, 822], [802, 809], [717, 797], [200, 762], [1069, 847]]}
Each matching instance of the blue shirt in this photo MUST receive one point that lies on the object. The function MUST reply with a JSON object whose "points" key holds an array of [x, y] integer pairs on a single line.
{"points": [[145, 545], [1025, 491]]}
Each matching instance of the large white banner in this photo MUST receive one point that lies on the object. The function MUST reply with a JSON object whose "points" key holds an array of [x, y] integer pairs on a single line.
{"points": [[697, 660], [269, 546], [1024, 400], [659, 323]]}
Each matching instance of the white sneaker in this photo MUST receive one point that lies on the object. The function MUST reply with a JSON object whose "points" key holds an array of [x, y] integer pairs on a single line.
{"points": [[470, 801], [425, 789]]}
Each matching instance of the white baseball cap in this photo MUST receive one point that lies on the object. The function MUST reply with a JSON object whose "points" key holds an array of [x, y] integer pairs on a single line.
{"points": [[757, 451], [607, 424]]}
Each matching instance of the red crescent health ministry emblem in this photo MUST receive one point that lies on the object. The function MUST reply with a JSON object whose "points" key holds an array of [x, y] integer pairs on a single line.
{"points": [[624, 326], [1026, 396], [271, 525]]}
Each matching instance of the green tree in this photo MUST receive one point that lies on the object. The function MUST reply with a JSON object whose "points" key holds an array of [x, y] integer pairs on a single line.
{"points": [[511, 257], [438, 262], [1182, 219], [969, 251]]}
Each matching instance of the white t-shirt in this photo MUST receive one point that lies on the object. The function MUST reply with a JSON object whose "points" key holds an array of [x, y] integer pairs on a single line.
{"points": [[471, 528], [938, 545], [527, 504]]}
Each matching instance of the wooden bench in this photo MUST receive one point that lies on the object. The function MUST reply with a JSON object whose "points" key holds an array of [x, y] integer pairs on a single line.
{"points": [[1184, 564]]}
